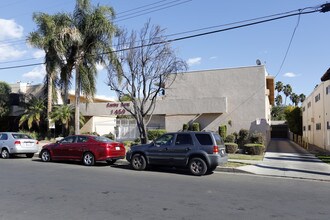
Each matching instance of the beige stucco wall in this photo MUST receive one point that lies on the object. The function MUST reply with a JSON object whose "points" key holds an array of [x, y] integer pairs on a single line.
{"points": [[318, 112]]}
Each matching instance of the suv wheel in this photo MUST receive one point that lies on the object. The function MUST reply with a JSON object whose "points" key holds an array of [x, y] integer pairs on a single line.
{"points": [[5, 154], [197, 166], [139, 162]]}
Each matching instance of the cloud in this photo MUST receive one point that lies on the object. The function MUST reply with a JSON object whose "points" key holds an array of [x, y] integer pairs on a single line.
{"points": [[194, 61], [99, 67], [290, 75], [37, 73], [39, 54], [213, 58], [8, 52], [10, 29]]}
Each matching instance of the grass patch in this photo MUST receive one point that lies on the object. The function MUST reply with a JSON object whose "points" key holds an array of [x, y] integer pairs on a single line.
{"points": [[324, 158], [235, 164], [245, 157]]}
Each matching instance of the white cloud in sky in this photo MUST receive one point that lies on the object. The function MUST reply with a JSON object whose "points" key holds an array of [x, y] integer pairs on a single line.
{"points": [[99, 67], [10, 29], [194, 61], [290, 75], [8, 52], [37, 73], [39, 54], [213, 58]]}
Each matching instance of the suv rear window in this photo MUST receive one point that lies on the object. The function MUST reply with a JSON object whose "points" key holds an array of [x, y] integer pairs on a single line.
{"points": [[204, 139], [218, 139]]}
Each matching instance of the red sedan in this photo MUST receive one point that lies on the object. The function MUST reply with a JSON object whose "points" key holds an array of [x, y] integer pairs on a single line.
{"points": [[86, 148]]}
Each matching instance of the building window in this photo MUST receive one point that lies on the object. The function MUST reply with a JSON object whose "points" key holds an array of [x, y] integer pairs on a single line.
{"points": [[309, 104], [328, 125], [327, 90], [318, 126], [304, 128], [317, 98], [309, 127]]}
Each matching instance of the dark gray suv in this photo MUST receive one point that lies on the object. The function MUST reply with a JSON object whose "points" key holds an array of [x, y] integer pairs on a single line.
{"points": [[201, 152]]}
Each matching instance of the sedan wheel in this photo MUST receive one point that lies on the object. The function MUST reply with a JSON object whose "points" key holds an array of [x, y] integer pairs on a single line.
{"points": [[88, 159], [139, 162], [29, 155], [5, 154], [197, 166], [45, 156]]}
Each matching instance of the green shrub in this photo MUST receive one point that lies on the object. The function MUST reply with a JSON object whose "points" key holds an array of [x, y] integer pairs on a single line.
{"points": [[156, 133], [256, 138], [231, 148], [128, 144], [196, 126], [223, 131], [243, 137], [110, 136], [230, 138], [254, 149], [185, 127]]}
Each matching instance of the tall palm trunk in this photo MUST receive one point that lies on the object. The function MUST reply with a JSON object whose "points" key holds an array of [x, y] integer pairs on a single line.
{"points": [[49, 98], [77, 102]]}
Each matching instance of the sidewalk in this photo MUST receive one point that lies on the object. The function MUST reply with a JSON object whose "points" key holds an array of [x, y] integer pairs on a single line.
{"points": [[287, 159]]}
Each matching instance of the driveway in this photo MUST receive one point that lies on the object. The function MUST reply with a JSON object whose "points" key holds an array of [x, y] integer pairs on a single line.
{"points": [[287, 159]]}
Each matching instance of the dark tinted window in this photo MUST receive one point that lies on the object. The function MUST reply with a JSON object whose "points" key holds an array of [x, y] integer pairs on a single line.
{"points": [[102, 139], [21, 136], [3, 137], [204, 139], [183, 139]]}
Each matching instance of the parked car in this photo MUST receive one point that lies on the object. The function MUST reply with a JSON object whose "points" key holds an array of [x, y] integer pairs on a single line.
{"points": [[200, 152], [85, 148], [12, 143]]}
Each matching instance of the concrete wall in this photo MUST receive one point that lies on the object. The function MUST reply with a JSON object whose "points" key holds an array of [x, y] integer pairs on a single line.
{"points": [[244, 90], [317, 113]]}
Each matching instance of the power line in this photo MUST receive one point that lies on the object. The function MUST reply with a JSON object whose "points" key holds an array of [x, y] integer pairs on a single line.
{"points": [[143, 6], [300, 12]]}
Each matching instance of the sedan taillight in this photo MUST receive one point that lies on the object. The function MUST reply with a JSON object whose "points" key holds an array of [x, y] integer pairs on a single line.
{"points": [[17, 143]]}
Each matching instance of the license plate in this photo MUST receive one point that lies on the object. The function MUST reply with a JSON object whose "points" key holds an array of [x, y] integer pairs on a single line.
{"points": [[117, 148]]}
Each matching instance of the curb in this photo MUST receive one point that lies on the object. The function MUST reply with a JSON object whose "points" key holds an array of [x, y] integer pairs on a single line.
{"points": [[231, 170]]}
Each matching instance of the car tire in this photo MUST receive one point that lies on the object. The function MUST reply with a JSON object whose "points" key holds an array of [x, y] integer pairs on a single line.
{"points": [[29, 155], [138, 162], [197, 166], [45, 156], [5, 153], [88, 159], [111, 162]]}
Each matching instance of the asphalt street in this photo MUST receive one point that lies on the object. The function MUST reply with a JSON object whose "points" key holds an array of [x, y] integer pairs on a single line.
{"points": [[31, 189]]}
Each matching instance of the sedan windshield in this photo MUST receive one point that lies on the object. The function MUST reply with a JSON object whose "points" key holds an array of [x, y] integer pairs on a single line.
{"points": [[103, 139], [21, 136]]}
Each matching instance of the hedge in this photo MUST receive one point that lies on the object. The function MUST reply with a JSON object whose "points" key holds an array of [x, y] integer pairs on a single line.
{"points": [[254, 149], [231, 148], [156, 133], [196, 126]]}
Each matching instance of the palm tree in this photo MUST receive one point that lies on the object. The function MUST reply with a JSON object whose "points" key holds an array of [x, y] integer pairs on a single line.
{"points": [[278, 100], [302, 97], [279, 87], [287, 90], [65, 115], [34, 112], [46, 37], [91, 35], [294, 98]]}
